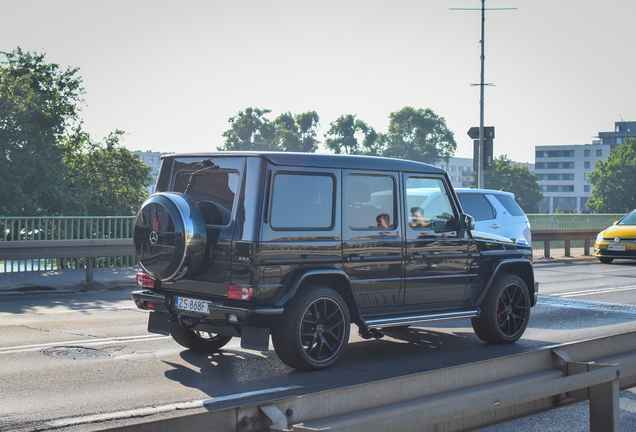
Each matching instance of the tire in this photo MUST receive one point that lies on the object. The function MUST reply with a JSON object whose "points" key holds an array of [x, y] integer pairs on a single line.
{"points": [[170, 236], [505, 311], [314, 329], [606, 260], [196, 340]]}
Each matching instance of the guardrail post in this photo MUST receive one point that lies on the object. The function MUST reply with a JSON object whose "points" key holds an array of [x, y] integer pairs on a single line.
{"points": [[604, 408], [89, 269], [546, 248], [567, 248], [586, 247]]}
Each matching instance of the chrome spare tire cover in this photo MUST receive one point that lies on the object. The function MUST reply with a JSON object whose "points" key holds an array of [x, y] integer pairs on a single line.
{"points": [[170, 236]]}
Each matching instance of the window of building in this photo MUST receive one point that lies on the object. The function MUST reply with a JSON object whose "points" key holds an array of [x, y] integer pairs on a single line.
{"points": [[150, 160], [587, 153], [599, 153], [554, 153], [586, 188], [586, 164], [619, 140], [554, 165], [557, 188]]}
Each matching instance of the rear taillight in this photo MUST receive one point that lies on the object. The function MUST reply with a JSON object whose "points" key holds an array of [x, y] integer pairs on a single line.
{"points": [[239, 292], [143, 280]]}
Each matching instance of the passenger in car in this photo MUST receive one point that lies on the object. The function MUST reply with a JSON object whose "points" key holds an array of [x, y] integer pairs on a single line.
{"points": [[417, 218], [383, 220]]}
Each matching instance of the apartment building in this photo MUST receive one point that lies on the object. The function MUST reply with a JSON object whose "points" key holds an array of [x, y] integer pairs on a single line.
{"points": [[460, 170], [153, 160], [561, 171]]}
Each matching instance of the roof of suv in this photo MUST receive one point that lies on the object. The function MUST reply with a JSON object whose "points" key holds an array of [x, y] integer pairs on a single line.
{"points": [[325, 160]]}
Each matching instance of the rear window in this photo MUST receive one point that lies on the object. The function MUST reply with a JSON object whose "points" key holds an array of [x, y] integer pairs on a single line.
{"points": [[302, 201], [510, 205], [477, 206]]}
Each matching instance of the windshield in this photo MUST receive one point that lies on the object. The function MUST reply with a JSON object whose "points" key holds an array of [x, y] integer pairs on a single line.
{"points": [[630, 219]]}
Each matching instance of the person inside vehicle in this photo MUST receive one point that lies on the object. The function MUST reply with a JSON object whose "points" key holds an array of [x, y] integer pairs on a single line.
{"points": [[417, 218], [383, 220]]}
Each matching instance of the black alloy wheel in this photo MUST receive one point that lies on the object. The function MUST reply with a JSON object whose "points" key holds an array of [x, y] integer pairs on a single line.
{"points": [[505, 311], [314, 329]]}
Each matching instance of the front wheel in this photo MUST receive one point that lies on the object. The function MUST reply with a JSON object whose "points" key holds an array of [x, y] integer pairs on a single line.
{"points": [[197, 340], [606, 260], [505, 311], [314, 329]]}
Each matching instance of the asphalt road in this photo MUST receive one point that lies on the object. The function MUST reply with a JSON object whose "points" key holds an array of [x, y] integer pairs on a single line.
{"points": [[84, 361]]}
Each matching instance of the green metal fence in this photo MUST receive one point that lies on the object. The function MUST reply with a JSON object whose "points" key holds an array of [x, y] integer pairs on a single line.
{"points": [[547, 221], [65, 228]]}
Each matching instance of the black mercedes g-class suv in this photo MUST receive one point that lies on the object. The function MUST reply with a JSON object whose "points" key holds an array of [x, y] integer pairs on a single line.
{"points": [[299, 246]]}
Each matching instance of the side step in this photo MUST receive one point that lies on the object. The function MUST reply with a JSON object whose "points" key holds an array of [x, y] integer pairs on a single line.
{"points": [[418, 319]]}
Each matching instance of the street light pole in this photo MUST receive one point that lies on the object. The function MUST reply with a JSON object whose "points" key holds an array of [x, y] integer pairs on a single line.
{"points": [[480, 162]]}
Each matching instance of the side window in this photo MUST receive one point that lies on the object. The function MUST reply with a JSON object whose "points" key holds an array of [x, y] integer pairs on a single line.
{"points": [[477, 206], [510, 205], [302, 201], [370, 201], [435, 210]]}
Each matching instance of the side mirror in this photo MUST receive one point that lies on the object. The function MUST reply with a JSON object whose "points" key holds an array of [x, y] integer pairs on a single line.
{"points": [[466, 222]]}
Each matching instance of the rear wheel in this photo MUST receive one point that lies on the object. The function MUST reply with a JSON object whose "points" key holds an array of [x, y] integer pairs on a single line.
{"points": [[606, 260], [197, 340], [505, 311], [314, 329]]}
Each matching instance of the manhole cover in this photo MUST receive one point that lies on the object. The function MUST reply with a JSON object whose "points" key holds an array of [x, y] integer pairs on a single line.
{"points": [[75, 353]]}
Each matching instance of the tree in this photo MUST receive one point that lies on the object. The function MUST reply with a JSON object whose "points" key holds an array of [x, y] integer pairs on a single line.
{"points": [[349, 135], [516, 179], [418, 135], [38, 101], [614, 181], [251, 130], [105, 177], [297, 132]]}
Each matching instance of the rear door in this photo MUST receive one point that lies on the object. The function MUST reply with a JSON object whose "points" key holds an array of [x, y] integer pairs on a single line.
{"points": [[372, 240], [436, 252]]}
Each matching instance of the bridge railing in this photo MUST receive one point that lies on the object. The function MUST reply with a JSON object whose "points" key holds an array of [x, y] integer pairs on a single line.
{"points": [[27, 230]]}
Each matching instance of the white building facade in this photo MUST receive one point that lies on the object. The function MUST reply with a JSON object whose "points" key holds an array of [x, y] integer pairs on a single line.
{"points": [[562, 170], [153, 160]]}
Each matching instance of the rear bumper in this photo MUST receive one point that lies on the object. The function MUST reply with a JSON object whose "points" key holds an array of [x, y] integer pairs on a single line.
{"points": [[249, 315]]}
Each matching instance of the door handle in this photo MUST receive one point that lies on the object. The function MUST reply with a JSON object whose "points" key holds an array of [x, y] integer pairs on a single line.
{"points": [[354, 258]]}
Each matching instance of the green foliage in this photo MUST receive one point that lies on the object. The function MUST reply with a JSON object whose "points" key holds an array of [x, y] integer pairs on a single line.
{"points": [[614, 181], [42, 170], [418, 135], [251, 130], [351, 136], [107, 179], [38, 101], [516, 179]]}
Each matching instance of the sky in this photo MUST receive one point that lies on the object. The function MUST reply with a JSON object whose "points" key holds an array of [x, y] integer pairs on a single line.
{"points": [[172, 73]]}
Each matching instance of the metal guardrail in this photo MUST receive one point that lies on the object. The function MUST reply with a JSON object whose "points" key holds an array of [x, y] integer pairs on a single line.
{"points": [[567, 235], [460, 398], [86, 248], [546, 221], [65, 227]]}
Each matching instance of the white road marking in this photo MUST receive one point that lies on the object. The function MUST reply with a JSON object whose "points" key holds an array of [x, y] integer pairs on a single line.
{"points": [[88, 342], [593, 291], [165, 408]]}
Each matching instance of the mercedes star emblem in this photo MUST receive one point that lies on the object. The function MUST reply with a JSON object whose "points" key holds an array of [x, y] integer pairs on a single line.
{"points": [[154, 237]]}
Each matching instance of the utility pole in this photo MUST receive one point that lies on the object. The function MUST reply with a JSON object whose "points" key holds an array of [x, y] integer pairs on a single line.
{"points": [[480, 152]]}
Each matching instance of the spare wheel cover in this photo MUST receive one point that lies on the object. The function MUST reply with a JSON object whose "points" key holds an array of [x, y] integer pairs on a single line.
{"points": [[170, 236]]}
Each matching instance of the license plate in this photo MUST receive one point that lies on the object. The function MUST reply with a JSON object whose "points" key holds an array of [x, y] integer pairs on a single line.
{"points": [[191, 305], [616, 247]]}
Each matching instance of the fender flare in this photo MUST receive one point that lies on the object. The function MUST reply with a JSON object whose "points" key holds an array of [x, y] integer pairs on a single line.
{"points": [[501, 267], [300, 276]]}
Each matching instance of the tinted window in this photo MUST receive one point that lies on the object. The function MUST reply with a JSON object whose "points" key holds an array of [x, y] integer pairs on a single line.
{"points": [[370, 201], [302, 201], [510, 205], [435, 212], [477, 206]]}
